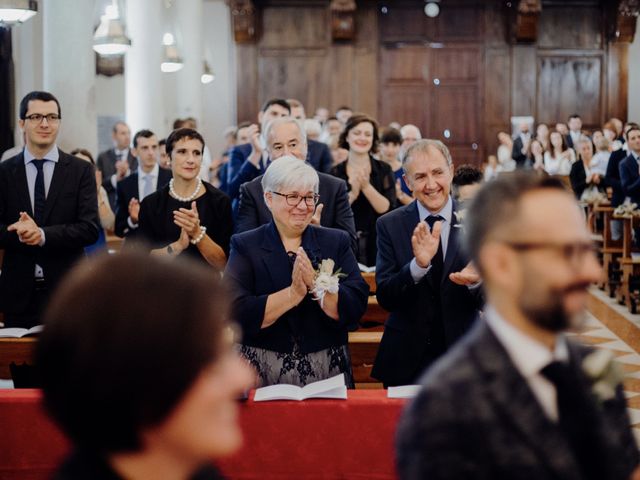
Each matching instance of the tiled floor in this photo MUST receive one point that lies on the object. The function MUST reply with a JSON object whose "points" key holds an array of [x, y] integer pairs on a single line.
{"points": [[611, 326]]}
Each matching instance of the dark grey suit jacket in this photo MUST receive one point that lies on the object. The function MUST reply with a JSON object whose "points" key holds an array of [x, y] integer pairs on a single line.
{"points": [[336, 212], [106, 163], [476, 417], [70, 223]]}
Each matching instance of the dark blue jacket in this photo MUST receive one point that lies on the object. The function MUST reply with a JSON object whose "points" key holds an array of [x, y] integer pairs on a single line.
{"points": [[417, 308], [259, 266], [630, 178]]}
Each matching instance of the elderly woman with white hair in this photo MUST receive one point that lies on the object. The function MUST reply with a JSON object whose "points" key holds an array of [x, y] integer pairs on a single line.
{"points": [[296, 287]]}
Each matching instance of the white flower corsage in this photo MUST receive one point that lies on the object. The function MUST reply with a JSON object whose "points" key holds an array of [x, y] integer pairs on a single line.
{"points": [[460, 214], [604, 373], [627, 210], [326, 281], [593, 197]]}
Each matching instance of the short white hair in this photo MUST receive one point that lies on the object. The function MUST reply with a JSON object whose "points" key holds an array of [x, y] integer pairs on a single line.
{"points": [[289, 172], [312, 127], [405, 128], [283, 121]]}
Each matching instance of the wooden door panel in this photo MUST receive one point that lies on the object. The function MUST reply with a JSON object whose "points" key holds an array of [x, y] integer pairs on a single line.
{"points": [[455, 110], [404, 105], [569, 84], [456, 64], [404, 65]]}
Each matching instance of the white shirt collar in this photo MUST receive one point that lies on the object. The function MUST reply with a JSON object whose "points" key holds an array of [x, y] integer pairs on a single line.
{"points": [[446, 212], [153, 173], [53, 155], [527, 354]]}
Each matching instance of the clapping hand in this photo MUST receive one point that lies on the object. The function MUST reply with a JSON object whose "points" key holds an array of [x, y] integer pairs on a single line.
{"points": [[425, 243], [188, 220], [306, 268], [27, 230], [134, 209], [317, 214], [467, 276], [122, 167]]}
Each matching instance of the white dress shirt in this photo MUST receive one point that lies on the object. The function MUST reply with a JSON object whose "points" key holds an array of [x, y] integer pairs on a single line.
{"points": [[31, 171], [142, 179], [529, 357]]}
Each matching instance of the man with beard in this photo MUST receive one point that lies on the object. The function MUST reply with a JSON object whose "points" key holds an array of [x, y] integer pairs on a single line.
{"points": [[515, 398]]}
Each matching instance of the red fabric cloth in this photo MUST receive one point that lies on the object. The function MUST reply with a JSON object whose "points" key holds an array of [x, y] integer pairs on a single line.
{"points": [[315, 439]]}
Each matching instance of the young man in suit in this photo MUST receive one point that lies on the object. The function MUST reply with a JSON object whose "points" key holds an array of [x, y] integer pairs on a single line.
{"points": [[318, 154], [423, 277], [148, 178], [630, 166], [285, 136], [249, 160], [48, 213], [515, 398], [118, 162], [575, 131]]}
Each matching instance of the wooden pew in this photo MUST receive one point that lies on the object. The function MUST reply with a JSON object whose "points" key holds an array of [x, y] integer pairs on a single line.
{"points": [[363, 346], [611, 249], [370, 278], [114, 243], [630, 267], [17, 350]]}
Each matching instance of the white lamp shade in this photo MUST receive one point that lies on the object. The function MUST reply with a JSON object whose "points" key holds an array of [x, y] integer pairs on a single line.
{"points": [[17, 11]]}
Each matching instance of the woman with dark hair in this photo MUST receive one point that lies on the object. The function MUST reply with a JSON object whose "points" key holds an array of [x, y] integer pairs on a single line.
{"points": [[107, 217], [559, 157], [371, 183], [143, 385], [188, 216]]}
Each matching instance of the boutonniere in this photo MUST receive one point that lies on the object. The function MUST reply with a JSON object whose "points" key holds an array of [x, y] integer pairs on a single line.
{"points": [[604, 374], [326, 280], [460, 214]]}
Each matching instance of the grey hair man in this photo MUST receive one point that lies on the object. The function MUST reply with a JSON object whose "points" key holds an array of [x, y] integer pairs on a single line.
{"points": [[286, 136], [515, 398], [423, 276]]}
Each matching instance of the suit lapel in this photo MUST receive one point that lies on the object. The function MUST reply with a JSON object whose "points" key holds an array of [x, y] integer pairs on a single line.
{"points": [[516, 404], [275, 258], [22, 187], [58, 180], [311, 246]]}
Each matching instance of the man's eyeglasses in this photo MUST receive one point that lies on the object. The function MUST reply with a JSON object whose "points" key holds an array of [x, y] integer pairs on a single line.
{"points": [[574, 253], [294, 199], [37, 118]]}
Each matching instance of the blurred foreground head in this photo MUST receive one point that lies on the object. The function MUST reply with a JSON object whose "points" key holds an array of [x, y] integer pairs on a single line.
{"points": [[137, 352]]}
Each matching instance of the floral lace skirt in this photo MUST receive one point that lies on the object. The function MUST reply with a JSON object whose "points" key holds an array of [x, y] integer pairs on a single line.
{"points": [[296, 368]]}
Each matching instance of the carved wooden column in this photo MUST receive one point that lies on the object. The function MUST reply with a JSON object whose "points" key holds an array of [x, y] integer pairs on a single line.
{"points": [[343, 20], [244, 18], [524, 27], [623, 20]]}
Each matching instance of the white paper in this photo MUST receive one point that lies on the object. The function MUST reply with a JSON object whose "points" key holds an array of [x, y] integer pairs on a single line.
{"points": [[19, 332], [403, 391], [333, 387]]}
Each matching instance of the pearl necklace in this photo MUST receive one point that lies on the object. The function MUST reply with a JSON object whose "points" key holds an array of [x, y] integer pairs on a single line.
{"points": [[188, 199]]}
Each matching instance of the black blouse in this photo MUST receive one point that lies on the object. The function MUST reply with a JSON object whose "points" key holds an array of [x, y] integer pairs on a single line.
{"points": [[365, 217], [158, 229]]}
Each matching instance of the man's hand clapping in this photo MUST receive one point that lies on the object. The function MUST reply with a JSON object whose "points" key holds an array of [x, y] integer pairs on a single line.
{"points": [[425, 243]]}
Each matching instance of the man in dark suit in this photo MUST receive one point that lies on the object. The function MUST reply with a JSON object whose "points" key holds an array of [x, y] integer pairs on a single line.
{"points": [[630, 166], [318, 153], [423, 277], [521, 145], [575, 131], [48, 213], [148, 178], [118, 162], [515, 398]]}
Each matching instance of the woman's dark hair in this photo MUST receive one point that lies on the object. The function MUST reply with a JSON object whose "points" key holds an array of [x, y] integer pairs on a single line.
{"points": [[37, 95], [551, 148], [124, 338], [85, 152], [179, 134], [353, 121], [391, 135]]}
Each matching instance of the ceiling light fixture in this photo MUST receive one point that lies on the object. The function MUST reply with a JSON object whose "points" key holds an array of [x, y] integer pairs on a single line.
{"points": [[13, 12], [110, 38]]}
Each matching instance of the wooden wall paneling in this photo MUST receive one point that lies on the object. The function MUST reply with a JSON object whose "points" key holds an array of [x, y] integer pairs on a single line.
{"points": [[497, 96], [579, 27], [404, 64], [523, 79], [365, 95], [247, 82], [495, 24], [401, 22], [569, 84], [405, 104], [460, 22], [341, 76], [617, 81], [295, 27]]}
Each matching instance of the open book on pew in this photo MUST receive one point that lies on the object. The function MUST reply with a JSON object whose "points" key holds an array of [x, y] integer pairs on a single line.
{"points": [[20, 332], [333, 387], [404, 391]]}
